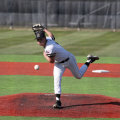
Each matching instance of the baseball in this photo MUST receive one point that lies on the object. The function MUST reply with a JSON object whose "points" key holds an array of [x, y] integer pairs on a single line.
{"points": [[36, 67]]}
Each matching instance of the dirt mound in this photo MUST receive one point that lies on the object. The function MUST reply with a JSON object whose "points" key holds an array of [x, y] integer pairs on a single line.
{"points": [[74, 105]]}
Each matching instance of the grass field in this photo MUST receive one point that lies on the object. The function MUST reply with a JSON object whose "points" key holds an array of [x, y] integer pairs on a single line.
{"points": [[20, 46], [80, 43]]}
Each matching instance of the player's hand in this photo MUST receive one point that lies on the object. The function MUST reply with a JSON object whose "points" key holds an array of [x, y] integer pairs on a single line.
{"points": [[49, 59]]}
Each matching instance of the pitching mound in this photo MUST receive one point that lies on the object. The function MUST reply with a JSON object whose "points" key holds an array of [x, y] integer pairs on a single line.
{"points": [[74, 105]]}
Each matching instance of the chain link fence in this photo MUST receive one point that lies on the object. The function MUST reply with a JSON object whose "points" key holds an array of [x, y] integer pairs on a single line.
{"points": [[61, 13]]}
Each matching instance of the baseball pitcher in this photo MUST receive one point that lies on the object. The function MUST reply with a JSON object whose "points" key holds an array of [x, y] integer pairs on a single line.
{"points": [[62, 59]]}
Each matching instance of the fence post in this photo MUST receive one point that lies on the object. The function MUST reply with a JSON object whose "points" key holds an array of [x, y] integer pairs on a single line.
{"points": [[46, 1]]}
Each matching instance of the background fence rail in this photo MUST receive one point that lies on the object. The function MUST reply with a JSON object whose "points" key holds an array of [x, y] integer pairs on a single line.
{"points": [[61, 13]]}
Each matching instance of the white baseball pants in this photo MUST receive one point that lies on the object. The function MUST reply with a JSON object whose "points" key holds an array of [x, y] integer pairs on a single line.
{"points": [[59, 69]]}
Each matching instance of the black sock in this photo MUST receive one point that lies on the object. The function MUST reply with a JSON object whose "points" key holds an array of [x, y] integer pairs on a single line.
{"points": [[87, 63], [57, 97]]}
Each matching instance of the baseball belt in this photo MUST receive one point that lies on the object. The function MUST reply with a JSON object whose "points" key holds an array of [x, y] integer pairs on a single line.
{"points": [[64, 60]]}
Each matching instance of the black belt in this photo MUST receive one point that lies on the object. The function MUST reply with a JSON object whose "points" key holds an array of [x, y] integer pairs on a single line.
{"points": [[64, 60]]}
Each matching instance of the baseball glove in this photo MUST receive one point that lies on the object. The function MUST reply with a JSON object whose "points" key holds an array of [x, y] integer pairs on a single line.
{"points": [[39, 31], [38, 27]]}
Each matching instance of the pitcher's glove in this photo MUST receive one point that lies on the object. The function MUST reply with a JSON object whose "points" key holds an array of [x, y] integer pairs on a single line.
{"points": [[38, 27], [39, 31]]}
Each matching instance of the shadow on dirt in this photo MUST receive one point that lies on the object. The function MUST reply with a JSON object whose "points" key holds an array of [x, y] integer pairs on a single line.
{"points": [[112, 103]]}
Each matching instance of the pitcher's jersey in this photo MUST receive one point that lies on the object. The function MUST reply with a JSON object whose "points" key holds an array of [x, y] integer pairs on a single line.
{"points": [[54, 49]]}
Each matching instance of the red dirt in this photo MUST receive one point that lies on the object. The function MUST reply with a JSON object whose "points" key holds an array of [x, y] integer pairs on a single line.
{"points": [[74, 105], [46, 69]]}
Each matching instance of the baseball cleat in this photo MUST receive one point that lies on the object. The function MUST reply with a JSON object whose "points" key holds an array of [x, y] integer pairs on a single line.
{"points": [[92, 58], [57, 105]]}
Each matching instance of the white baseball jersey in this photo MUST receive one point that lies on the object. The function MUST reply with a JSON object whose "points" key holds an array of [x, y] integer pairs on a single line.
{"points": [[54, 49]]}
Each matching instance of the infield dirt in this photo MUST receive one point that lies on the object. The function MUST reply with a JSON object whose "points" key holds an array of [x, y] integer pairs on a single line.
{"points": [[74, 105], [46, 69]]}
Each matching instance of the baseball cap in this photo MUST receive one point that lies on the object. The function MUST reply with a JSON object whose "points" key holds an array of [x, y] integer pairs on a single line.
{"points": [[39, 35]]}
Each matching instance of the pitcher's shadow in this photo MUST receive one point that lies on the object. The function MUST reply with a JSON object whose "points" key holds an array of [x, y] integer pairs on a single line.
{"points": [[71, 106]]}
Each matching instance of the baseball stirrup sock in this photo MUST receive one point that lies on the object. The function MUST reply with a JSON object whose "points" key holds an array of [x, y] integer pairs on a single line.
{"points": [[88, 62], [57, 97]]}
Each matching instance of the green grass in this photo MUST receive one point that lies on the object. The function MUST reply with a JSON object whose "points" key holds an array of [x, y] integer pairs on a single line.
{"points": [[13, 37], [97, 44], [43, 118], [35, 84], [44, 84], [40, 58], [80, 43], [20, 46], [22, 41]]}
